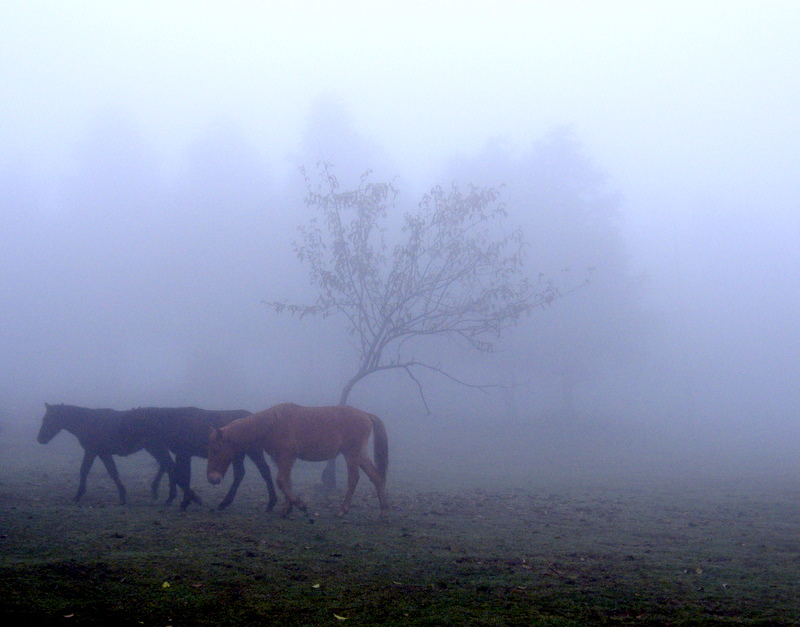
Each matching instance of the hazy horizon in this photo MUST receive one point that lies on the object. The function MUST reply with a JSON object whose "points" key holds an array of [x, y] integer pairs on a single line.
{"points": [[150, 193]]}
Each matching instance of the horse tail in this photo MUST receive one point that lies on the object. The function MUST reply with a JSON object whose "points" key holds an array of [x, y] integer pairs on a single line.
{"points": [[380, 446]]}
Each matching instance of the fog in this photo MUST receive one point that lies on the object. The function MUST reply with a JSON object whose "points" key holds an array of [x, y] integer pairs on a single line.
{"points": [[150, 194]]}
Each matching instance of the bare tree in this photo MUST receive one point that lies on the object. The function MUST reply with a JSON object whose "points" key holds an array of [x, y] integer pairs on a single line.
{"points": [[452, 272]]}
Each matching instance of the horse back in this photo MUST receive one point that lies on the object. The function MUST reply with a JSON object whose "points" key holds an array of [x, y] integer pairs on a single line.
{"points": [[185, 430], [308, 433]]}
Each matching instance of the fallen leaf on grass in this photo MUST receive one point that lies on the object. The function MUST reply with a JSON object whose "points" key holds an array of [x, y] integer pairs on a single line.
{"points": [[315, 585], [165, 584], [336, 616]]}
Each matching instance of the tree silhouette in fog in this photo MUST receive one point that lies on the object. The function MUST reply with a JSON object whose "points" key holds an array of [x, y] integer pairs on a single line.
{"points": [[452, 271]]}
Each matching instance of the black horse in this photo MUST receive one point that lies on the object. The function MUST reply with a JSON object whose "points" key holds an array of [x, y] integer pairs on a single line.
{"points": [[104, 433], [185, 432]]}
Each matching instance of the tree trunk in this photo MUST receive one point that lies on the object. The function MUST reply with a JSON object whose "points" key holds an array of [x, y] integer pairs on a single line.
{"points": [[329, 473]]}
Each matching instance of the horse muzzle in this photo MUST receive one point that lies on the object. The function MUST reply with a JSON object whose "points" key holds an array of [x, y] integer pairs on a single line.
{"points": [[214, 478]]}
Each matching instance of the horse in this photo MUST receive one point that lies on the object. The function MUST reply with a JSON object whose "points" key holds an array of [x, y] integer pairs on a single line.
{"points": [[288, 432], [103, 433], [185, 431]]}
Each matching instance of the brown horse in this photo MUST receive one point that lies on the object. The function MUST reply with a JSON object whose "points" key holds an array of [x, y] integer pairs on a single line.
{"points": [[289, 432]]}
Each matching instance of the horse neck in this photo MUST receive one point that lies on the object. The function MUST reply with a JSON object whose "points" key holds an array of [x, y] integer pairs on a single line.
{"points": [[80, 421], [246, 431]]}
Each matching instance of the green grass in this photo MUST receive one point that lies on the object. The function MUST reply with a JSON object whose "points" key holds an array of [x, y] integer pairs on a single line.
{"points": [[720, 552]]}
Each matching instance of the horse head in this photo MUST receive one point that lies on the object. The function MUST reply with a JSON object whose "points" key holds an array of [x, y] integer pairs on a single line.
{"points": [[220, 454], [51, 424]]}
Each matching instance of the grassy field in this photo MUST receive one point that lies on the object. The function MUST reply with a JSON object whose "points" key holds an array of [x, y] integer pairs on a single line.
{"points": [[615, 552]]}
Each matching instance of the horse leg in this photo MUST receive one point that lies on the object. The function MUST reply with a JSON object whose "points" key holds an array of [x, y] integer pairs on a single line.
{"points": [[156, 481], [168, 466], [238, 475], [173, 484], [111, 467], [165, 465], [183, 473], [173, 473], [365, 463], [266, 474], [329, 476], [86, 466], [352, 482], [285, 486]]}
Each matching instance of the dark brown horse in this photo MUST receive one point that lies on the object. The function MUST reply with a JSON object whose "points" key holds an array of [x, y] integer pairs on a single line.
{"points": [[289, 432], [184, 431], [104, 433]]}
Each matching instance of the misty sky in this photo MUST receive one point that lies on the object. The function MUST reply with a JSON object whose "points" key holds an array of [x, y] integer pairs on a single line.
{"points": [[675, 101], [686, 95], [690, 108]]}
